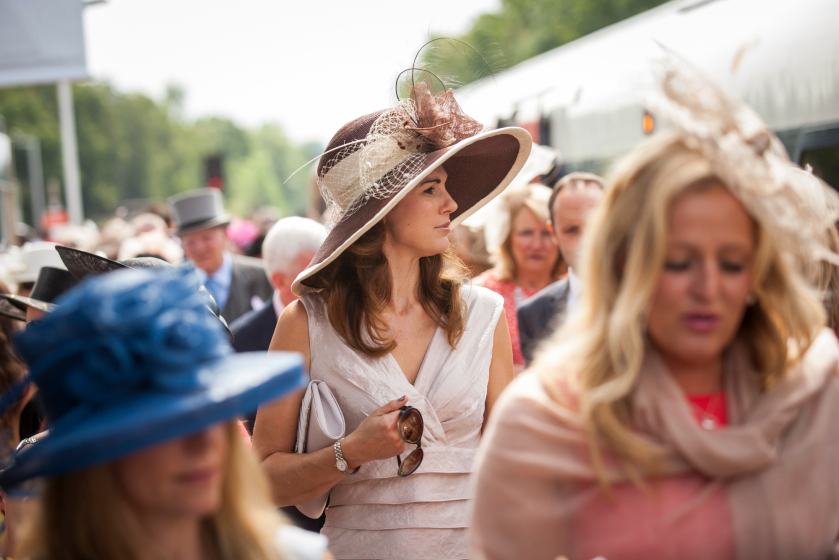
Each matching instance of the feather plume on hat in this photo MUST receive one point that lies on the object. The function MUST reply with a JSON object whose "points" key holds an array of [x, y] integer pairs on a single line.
{"points": [[747, 156]]}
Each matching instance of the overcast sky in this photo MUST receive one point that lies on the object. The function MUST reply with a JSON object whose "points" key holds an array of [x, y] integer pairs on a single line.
{"points": [[310, 66]]}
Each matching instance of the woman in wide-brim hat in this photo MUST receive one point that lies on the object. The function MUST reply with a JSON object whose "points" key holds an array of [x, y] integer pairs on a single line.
{"points": [[385, 320], [143, 458]]}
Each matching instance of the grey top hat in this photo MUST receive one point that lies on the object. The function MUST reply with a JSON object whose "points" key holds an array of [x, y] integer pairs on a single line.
{"points": [[197, 210]]}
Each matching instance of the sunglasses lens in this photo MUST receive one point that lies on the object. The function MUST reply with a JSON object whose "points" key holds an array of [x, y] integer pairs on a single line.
{"points": [[411, 463], [411, 426]]}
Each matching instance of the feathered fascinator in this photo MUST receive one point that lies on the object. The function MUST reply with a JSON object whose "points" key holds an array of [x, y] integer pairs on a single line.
{"points": [[393, 151], [796, 208], [374, 161]]}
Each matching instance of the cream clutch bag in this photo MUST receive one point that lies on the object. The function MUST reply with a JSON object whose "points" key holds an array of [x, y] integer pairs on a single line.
{"points": [[321, 424]]}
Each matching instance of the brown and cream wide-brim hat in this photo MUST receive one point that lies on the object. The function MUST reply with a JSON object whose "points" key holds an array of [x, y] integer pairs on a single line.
{"points": [[375, 160]]}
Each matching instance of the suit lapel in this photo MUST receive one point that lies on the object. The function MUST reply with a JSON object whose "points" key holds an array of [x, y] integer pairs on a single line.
{"points": [[269, 323], [560, 306], [234, 306]]}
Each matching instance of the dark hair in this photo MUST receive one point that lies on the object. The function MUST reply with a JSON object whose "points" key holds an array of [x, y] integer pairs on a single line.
{"points": [[255, 248], [12, 368], [162, 210], [358, 286]]}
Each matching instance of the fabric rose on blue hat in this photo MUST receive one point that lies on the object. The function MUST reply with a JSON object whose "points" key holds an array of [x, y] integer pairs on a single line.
{"points": [[125, 332]]}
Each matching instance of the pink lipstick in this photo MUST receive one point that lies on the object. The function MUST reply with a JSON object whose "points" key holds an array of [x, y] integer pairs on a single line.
{"points": [[701, 322]]}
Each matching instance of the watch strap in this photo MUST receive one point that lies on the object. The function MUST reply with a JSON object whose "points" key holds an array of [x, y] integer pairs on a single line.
{"points": [[339, 456]]}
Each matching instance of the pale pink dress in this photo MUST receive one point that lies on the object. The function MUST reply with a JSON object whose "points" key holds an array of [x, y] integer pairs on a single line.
{"points": [[375, 514]]}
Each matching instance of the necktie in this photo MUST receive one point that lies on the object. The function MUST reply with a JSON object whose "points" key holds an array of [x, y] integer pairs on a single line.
{"points": [[214, 289]]}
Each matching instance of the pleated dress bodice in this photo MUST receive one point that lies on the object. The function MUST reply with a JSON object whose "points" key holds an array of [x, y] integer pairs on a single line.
{"points": [[375, 514]]}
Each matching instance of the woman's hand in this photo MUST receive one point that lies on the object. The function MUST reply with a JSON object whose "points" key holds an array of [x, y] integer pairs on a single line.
{"points": [[376, 437], [297, 478]]}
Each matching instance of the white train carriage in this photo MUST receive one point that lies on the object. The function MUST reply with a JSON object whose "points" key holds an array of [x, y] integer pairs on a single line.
{"points": [[780, 56]]}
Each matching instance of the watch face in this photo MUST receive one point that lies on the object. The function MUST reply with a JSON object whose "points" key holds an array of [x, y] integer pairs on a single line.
{"points": [[341, 464]]}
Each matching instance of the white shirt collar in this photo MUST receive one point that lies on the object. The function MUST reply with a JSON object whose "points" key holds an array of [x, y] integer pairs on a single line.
{"points": [[223, 275], [575, 287], [277, 301]]}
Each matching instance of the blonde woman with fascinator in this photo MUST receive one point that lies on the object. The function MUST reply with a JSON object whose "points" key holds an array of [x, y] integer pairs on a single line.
{"points": [[144, 459], [525, 254], [689, 408], [414, 357]]}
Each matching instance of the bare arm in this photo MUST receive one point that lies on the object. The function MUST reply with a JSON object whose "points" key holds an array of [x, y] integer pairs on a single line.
{"points": [[501, 366], [299, 477]]}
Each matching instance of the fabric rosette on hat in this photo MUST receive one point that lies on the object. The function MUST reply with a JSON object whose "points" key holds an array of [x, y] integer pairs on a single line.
{"points": [[131, 359], [374, 161]]}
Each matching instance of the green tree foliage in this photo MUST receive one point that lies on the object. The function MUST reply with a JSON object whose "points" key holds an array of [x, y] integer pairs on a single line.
{"points": [[35, 113], [270, 161], [522, 29], [132, 147]]}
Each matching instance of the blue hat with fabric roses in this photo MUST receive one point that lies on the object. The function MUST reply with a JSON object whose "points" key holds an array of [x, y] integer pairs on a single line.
{"points": [[132, 359]]}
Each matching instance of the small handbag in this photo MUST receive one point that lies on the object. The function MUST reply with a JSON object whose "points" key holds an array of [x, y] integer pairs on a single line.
{"points": [[320, 425]]}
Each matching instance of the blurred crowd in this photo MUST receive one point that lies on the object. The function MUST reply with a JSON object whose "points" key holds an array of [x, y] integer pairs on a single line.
{"points": [[562, 365]]}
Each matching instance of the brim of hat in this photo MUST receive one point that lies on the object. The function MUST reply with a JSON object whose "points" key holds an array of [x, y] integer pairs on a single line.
{"points": [[479, 168], [239, 383], [221, 220], [82, 264], [22, 303], [7, 309]]}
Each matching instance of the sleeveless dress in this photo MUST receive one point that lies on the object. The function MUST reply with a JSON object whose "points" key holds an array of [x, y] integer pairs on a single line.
{"points": [[375, 514]]}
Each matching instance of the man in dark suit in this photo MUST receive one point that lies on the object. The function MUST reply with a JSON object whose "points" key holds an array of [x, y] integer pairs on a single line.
{"points": [[572, 199], [237, 283], [288, 248]]}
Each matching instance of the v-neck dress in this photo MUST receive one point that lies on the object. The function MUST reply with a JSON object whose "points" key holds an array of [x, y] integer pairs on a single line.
{"points": [[375, 514]]}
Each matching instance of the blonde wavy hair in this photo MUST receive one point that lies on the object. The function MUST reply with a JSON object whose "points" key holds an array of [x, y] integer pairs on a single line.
{"points": [[84, 515], [601, 348], [535, 198]]}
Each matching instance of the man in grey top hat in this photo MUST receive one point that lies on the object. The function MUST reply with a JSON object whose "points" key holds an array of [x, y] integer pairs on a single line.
{"points": [[237, 283]]}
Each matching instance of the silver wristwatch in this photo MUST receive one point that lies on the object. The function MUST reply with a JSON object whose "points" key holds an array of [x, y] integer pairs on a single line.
{"points": [[340, 462]]}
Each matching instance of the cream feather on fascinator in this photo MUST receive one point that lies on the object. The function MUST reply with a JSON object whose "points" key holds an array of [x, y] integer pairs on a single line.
{"points": [[795, 207]]}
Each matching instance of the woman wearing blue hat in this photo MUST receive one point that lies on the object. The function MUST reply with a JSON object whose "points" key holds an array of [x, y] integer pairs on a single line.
{"points": [[143, 458]]}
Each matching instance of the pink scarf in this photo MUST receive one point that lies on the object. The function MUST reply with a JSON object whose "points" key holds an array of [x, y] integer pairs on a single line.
{"points": [[777, 465]]}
